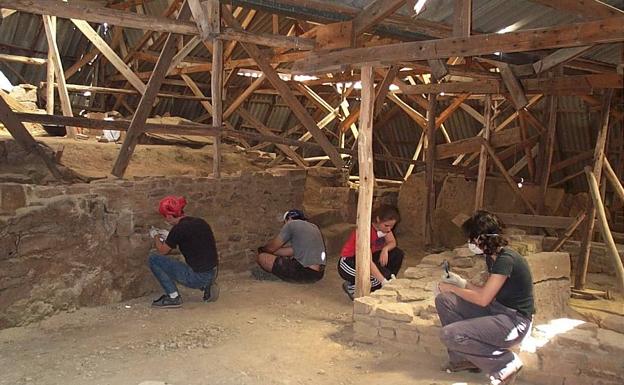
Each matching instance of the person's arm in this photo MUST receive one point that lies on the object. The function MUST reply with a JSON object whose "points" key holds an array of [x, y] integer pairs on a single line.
{"points": [[161, 246], [273, 245], [390, 243], [479, 295], [376, 273]]}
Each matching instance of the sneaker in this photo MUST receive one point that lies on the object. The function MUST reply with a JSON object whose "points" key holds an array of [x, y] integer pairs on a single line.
{"points": [[211, 293], [349, 289], [167, 302], [460, 366], [262, 275], [508, 374]]}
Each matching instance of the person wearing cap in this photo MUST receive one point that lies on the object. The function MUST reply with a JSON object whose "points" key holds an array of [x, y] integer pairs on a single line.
{"points": [[194, 237], [386, 257], [297, 253], [481, 323]]}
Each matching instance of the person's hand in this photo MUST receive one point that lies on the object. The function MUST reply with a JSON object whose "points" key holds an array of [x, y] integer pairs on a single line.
{"points": [[454, 279], [383, 257], [261, 249], [445, 287], [153, 232]]}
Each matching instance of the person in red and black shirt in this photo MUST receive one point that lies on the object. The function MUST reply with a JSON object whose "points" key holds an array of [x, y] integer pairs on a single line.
{"points": [[194, 238], [386, 256]]}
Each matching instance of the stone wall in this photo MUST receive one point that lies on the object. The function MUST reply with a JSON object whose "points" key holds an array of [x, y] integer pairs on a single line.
{"points": [[66, 246], [559, 351]]}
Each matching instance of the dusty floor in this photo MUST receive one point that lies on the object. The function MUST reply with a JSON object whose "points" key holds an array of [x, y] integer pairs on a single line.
{"points": [[257, 333]]}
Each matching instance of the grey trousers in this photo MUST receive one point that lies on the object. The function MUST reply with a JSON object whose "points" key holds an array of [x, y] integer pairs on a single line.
{"points": [[481, 335]]}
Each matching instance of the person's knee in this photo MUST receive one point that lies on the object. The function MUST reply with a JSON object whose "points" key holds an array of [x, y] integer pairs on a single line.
{"points": [[153, 259], [447, 335]]}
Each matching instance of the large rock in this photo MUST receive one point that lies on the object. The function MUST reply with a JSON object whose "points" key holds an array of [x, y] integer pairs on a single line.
{"points": [[549, 265]]}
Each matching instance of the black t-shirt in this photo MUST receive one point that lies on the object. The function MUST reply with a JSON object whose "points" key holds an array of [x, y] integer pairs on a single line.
{"points": [[517, 291], [196, 242]]}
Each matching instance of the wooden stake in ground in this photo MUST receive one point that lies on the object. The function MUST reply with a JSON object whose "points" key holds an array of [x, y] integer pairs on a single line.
{"points": [[604, 227], [599, 150], [367, 177]]}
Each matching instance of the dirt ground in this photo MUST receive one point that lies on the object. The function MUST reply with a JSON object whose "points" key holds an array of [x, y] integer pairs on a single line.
{"points": [[258, 332]]}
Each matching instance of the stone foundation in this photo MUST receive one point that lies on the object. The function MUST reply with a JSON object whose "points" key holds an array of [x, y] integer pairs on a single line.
{"points": [[559, 351], [66, 246]]}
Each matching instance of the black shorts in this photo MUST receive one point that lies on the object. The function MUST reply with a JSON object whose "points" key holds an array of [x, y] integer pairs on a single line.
{"points": [[290, 270]]}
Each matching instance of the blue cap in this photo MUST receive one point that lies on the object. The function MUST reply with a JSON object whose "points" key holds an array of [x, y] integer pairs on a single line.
{"points": [[294, 214]]}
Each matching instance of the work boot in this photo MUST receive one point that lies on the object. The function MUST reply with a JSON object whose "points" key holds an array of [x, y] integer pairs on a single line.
{"points": [[211, 292], [349, 289], [460, 366], [167, 302], [508, 374]]}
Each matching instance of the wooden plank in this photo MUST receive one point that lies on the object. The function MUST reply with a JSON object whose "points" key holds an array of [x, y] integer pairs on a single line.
{"points": [[570, 35], [243, 96], [569, 231], [508, 178], [123, 91], [50, 71], [458, 101], [412, 113], [58, 72], [548, 145], [587, 9], [213, 12], [613, 178], [513, 86], [430, 168], [524, 132], [147, 99], [599, 151], [258, 125], [373, 13], [367, 177], [22, 59], [287, 95], [23, 137], [108, 52], [383, 88], [558, 57], [604, 228], [335, 35], [545, 221], [480, 188]]}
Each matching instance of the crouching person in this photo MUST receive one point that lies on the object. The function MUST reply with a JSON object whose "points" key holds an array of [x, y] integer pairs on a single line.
{"points": [[481, 323], [194, 237], [387, 258], [297, 253]]}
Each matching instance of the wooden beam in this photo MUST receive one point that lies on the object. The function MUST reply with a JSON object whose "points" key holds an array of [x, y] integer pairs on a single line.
{"points": [[599, 151], [569, 231], [258, 125], [213, 12], [123, 91], [571, 35], [147, 99], [444, 115], [462, 23], [243, 96], [547, 150], [438, 69], [480, 189], [383, 88], [545, 221], [513, 86], [50, 72], [374, 13], [108, 52], [430, 168], [367, 177], [287, 95], [24, 139], [22, 59], [58, 72], [570, 161], [508, 178], [587, 9], [558, 57], [613, 178], [604, 228]]}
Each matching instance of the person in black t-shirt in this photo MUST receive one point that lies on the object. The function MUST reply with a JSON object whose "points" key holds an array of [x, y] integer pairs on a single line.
{"points": [[194, 238], [481, 323]]}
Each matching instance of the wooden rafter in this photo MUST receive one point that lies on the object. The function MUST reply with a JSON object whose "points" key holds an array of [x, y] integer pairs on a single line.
{"points": [[374, 12]]}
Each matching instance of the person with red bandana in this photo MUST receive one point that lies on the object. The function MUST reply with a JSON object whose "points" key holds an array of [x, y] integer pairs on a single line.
{"points": [[194, 237]]}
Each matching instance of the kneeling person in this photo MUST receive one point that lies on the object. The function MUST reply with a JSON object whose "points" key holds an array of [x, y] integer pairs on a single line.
{"points": [[196, 241], [297, 253]]}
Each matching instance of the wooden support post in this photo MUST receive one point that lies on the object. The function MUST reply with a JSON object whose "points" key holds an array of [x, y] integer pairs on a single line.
{"points": [[147, 99], [462, 23], [604, 227], [430, 169], [612, 177], [599, 151], [23, 137], [569, 231], [216, 80], [367, 178], [548, 145], [58, 71], [50, 71], [487, 114]]}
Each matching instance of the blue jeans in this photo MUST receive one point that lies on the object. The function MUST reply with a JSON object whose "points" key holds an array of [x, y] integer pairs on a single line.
{"points": [[168, 271]]}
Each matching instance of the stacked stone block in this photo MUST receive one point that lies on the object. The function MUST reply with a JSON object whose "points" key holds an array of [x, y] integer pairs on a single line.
{"points": [[66, 246]]}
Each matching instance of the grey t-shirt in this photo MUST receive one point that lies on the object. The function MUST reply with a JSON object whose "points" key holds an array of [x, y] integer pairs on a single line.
{"points": [[306, 240]]}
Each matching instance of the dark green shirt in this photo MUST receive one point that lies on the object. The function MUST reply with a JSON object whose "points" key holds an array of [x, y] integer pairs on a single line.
{"points": [[517, 291]]}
